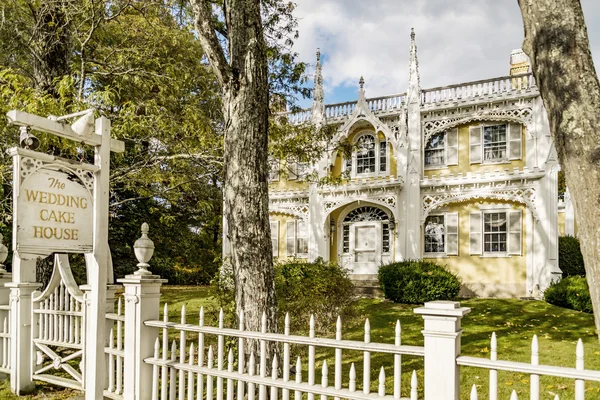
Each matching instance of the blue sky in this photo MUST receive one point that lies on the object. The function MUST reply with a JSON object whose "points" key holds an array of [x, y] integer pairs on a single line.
{"points": [[457, 41]]}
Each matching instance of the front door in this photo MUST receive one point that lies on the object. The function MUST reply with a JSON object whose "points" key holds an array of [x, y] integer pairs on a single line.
{"points": [[365, 246]]}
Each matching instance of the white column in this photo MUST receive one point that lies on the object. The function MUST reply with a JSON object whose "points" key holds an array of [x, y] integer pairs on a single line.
{"points": [[21, 345], [442, 345], [97, 265], [142, 296], [569, 215], [316, 234]]}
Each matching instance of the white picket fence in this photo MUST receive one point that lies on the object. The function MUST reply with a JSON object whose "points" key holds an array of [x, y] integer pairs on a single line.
{"points": [[209, 362], [190, 368], [182, 375]]}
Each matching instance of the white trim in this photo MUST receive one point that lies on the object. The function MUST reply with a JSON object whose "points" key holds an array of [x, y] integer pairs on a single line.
{"points": [[493, 207]]}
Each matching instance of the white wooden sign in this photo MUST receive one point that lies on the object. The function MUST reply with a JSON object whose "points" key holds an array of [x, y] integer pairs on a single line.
{"points": [[55, 213]]}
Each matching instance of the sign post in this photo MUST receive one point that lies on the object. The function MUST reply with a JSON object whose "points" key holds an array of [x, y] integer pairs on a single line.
{"points": [[60, 206]]}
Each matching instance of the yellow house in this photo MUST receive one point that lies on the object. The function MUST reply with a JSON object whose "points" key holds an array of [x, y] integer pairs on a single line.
{"points": [[465, 175]]}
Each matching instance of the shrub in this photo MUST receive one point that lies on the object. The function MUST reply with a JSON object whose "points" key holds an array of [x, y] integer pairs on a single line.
{"points": [[570, 259], [570, 292], [320, 288], [303, 288], [415, 282]]}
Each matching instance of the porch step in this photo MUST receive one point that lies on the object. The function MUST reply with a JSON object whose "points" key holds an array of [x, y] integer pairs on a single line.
{"points": [[368, 288]]}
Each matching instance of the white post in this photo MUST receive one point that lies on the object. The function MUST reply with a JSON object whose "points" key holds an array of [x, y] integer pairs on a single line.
{"points": [[142, 297], [5, 277], [97, 264], [442, 345]]}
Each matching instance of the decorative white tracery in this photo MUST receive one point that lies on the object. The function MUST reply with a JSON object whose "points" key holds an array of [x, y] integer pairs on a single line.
{"points": [[385, 196], [297, 207], [366, 213], [520, 111], [491, 191], [30, 165]]}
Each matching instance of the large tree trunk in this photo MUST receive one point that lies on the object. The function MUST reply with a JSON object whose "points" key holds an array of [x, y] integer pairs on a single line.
{"points": [[51, 44], [243, 76], [556, 41]]}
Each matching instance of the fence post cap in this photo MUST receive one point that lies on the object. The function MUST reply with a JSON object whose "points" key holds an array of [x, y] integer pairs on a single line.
{"points": [[442, 307]]}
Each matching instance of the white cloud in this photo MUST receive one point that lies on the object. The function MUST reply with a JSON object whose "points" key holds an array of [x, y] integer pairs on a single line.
{"points": [[457, 41]]}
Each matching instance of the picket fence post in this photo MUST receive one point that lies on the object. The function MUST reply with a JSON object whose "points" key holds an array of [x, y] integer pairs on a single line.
{"points": [[142, 303], [442, 335]]}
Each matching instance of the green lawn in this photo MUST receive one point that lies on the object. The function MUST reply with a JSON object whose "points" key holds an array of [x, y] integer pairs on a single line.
{"points": [[514, 321]]}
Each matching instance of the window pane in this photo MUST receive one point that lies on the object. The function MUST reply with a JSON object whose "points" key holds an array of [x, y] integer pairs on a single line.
{"points": [[434, 234], [494, 142], [494, 229], [434, 150], [302, 237], [346, 239], [383, 156], [385, 233], [365, 155]]}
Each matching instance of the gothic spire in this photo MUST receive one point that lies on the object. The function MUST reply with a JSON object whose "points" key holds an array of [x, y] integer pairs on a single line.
{"points": [[318, 106], [414, 88]]}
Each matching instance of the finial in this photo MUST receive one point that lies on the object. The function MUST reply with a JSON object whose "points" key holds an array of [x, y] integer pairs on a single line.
{"points": [[412, 33], [144, 249], [318, 54], [361, 82], [3, 255]]}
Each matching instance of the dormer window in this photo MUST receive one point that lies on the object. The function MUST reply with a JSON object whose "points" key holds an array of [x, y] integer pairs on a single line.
{"points": [[370, 157], [365, 155]]}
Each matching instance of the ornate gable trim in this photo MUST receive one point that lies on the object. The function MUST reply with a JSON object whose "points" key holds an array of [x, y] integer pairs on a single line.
{"points": [[520, 111]]}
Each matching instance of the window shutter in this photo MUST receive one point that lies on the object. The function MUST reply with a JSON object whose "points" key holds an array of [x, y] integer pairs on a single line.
{"points": [[290, 236], [274, 170], [451, 234], [475, 144], [292, 171], [475, 233], [515, 146], [275, 237], [452, 147], [514, 232]]}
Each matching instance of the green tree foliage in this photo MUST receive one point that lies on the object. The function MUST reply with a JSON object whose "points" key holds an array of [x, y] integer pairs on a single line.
{"points": [[139, 64]]}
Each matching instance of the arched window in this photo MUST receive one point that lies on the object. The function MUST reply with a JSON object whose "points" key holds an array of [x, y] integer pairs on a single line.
{"points": [[367, 213], [365, 154], [369, 158]]}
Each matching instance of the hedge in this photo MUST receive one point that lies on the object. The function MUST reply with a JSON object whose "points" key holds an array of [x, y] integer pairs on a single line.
{"points": [[571, 292], [570, 260], [415, 282]]}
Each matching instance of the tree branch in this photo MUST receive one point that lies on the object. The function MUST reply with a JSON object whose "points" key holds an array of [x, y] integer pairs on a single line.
{"points": [[210, 43]]}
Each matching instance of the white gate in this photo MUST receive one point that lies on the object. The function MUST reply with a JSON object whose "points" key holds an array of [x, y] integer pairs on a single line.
{"points": [[59, 329]]}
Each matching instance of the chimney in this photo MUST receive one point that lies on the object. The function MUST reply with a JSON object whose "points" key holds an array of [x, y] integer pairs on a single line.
{"points": [[519, 62]]}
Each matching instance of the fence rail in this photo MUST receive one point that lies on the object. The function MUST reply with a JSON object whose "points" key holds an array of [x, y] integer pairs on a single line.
{"points": [[177, 373], [534, 369]]}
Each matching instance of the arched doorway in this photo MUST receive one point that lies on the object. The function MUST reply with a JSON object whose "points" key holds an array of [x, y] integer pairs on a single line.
{"points": [[366, 239]]}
